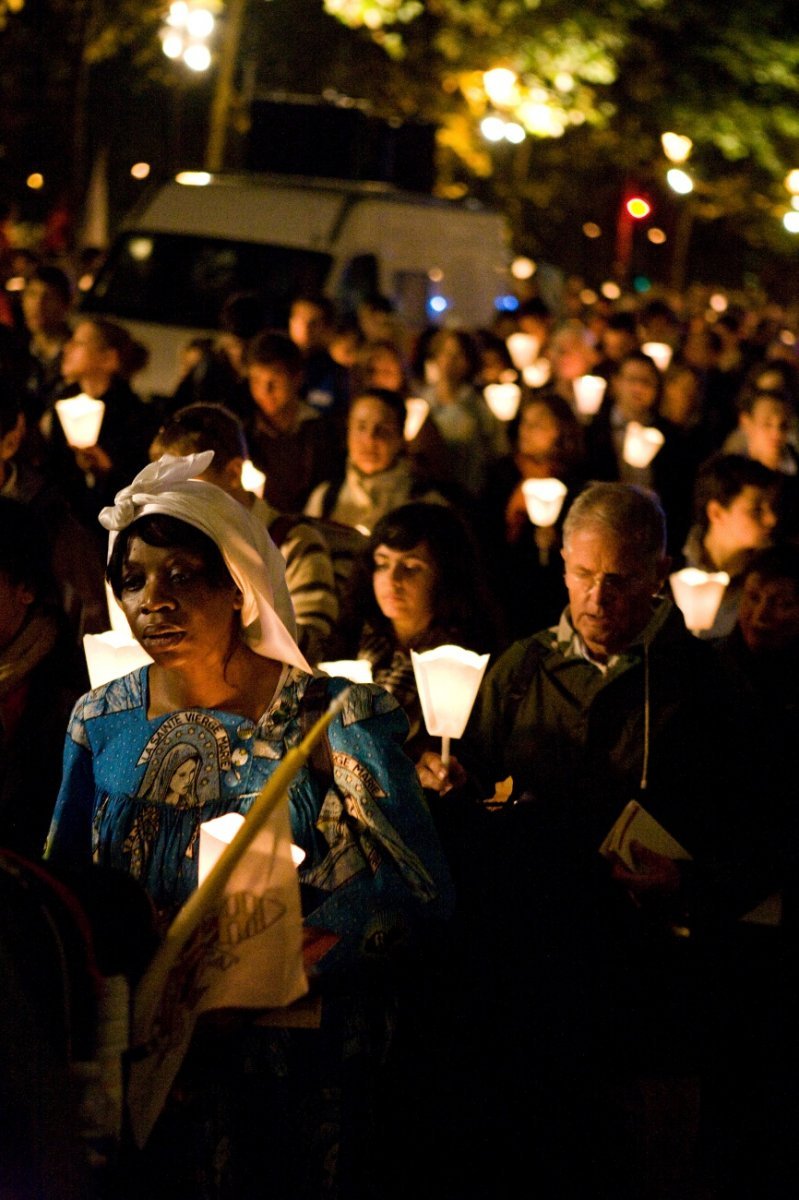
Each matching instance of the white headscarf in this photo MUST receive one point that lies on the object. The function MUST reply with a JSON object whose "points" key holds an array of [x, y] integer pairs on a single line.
{"points": [[170, 486]]}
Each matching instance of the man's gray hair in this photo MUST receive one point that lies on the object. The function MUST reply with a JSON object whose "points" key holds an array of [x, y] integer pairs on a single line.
{"points": [[631, 513]]}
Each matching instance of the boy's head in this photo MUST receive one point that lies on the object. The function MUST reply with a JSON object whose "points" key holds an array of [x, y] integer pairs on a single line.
{"points": [[766, 419], [768, 617], [311, 322], [735, 502], [199, 427], [274, 370]]}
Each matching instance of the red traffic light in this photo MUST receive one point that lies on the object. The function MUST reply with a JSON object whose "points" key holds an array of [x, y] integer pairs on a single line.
{"points": [[638, 208]]}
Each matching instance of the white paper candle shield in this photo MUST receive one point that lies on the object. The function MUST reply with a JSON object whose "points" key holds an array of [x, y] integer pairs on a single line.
{"points": [[416, 411], [589, 391], [544, 499], [523, 349], [698, 595], [252, 480], [537, 374], [111, 655], [659, 352], [81, 418], [217, 834], [116, 616], [357, 670], [641, 444], [447, 679], [503, 399]]}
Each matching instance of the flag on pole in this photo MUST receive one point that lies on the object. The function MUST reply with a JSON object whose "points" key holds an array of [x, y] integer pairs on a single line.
{"points": [[236, 943]]}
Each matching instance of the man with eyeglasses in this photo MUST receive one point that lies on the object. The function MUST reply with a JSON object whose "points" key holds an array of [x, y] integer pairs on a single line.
{"points": [[578, 965]]}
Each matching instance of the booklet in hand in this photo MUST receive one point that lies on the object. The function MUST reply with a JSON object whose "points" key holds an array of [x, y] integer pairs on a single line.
{"points": [[635, 824]]}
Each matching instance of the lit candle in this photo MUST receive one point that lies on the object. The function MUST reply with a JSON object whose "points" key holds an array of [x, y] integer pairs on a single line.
{"points": [[698, 595], [659, 352], [588, 393], [111, 655], [537, 374], [357, 670], [81, 418], [252, 480], [503, 399], [416, 411], [544, 499], [217, 834], [523, 349], [641, 444], [447, 679]]}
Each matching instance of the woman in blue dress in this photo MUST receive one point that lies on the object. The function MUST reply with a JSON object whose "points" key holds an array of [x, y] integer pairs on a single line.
{"points": [[152, 755]]}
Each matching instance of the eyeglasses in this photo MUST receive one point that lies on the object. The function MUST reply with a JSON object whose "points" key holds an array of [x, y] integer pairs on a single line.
{"points": [[585, 581]]}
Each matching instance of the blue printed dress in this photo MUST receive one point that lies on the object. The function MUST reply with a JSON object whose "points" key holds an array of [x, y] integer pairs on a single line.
{"points": [[136, 789]]}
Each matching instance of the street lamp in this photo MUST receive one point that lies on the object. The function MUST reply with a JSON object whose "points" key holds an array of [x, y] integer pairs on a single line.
{"points": [[186, 29], [676, 147]]}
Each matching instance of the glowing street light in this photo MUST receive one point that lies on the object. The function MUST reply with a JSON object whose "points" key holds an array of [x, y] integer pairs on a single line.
{"points": [[500, 86], [792, 182], [676, 147], [185, 32], [679, 181]]}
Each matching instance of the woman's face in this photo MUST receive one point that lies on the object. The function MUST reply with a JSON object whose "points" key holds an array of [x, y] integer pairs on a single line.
{"points": [[404, 583], [635, 386], [374, 435], [539, 432], [680, 397], [85, 355], [452, 362], [176, 614], [182, 778], [385, 370]]}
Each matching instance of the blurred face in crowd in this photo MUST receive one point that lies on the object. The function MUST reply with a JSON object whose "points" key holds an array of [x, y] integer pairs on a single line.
{"points": [[610, 589], [539, 432], [15, 601], [746, 523], [635, 387], [680, 402], [571, 355], [769, 614], [452, 361], [308, 326], [374, 435], [767, 430], [275, 390], [85, 357], [384, 370], [42, 307], [404, 583], [618, 343]]}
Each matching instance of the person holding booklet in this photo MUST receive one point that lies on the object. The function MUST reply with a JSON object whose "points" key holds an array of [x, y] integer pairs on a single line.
{"points": [[585, 956]]}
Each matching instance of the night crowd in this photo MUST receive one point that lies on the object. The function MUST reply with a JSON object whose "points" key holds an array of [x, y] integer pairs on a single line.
{"points": [[502, 1005]]}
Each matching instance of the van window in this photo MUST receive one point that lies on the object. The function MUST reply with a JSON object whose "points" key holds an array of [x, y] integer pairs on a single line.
{"points": [[175, 279]]}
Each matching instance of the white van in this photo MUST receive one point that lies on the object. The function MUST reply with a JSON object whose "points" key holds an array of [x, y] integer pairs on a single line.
{"points": [[197, 239]]}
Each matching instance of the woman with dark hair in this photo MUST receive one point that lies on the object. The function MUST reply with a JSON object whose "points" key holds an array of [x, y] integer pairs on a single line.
{"points": [[525, 564], [473, 435], [378, 475], [416, 585], [98, 361], [203, 588]]}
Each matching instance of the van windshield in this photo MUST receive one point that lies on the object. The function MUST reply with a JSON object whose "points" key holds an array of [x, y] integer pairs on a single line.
{"points": [[175, 279]]}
